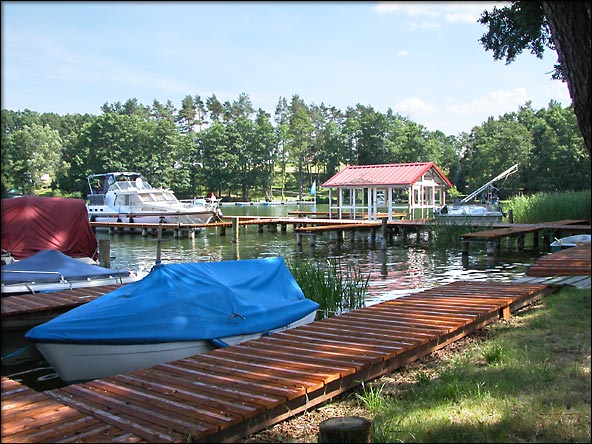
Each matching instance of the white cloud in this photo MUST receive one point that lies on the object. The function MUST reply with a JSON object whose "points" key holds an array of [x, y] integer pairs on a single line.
{"points": [[414, 106], [402, 53], [495, 103], [407, 8], [452, 12]]}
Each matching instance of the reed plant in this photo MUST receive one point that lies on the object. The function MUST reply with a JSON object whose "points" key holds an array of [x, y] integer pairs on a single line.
{"points": [[548, 207], [335, 286], [526, 379]]}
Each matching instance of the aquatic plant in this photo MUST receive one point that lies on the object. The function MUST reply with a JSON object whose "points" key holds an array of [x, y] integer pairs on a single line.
{"points": [[337, 287]]}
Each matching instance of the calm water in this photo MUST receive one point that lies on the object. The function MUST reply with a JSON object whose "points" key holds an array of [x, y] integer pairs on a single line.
{"points": [[406, 266]]}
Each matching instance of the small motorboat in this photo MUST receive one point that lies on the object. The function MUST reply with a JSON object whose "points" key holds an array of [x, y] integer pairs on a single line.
{"points": [[128, 197], [570, 241], [176, 311], [52, 270]]}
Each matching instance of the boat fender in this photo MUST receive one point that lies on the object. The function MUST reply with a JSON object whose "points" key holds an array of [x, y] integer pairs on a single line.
{"points": [[219, 343]]}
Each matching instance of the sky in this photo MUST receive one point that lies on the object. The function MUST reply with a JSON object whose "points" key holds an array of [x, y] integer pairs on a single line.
{"points": [[422, 60]]}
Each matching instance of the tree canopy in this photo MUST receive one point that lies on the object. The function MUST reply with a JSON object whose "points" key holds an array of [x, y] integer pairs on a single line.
{"points": [[562, 26]]}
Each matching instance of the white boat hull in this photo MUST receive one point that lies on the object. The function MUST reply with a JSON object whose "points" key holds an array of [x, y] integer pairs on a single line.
{"points": [[468, 219], [33, 287], [98, 214], [570, 241], [83, 362], [469, 213]]}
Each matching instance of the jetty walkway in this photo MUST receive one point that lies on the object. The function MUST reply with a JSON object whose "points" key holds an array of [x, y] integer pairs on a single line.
{"points": [[311, 224], [233, 392]]}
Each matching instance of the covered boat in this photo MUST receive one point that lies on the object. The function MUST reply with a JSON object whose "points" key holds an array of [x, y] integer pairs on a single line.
{"points": [[52, 270], [31, 224], [177, 310]]}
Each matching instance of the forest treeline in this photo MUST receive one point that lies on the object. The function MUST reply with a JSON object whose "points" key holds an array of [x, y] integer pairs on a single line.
{"points": [[239, 152]]}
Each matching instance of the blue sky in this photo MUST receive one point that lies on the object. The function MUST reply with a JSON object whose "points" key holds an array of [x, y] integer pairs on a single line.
{"points": [[421, 59]]}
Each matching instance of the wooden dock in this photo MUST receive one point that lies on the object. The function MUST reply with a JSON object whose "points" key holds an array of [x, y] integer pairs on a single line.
{"points": [[519, 231], [26, 310], [29, 416], [230, 393], [573, 261]]}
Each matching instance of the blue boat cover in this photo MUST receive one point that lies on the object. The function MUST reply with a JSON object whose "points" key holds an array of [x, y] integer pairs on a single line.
{"points": [[186, 302], [44, 266]]}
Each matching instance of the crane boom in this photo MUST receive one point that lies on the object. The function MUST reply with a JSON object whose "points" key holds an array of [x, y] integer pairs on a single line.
{"points": [[503, 175]]}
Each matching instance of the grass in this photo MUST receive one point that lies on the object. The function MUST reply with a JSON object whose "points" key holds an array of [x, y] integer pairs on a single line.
{"points": [[526, 380], [547, 207]]}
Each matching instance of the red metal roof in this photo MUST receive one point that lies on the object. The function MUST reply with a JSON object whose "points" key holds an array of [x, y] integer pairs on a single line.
{"points": [[387, 174]]}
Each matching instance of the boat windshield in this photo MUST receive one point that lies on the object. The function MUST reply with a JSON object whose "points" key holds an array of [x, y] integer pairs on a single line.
{"points": [[132, 182]]}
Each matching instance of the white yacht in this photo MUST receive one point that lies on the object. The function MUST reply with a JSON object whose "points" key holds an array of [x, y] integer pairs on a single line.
{"points": [[128, 197]]}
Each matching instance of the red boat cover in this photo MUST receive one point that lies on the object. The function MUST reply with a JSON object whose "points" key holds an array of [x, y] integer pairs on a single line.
{"points": [[31, 224]]}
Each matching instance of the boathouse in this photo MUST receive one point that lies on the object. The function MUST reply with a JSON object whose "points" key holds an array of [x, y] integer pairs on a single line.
{"points": [[371, 191]]}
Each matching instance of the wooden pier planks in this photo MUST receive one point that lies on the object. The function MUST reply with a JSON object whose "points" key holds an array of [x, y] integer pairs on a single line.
{"points": [[29, 416], [573, 261], [233, 392], [31, 302]]}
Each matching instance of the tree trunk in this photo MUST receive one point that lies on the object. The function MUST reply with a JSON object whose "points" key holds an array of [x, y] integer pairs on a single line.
{"points": [[570, 26]]}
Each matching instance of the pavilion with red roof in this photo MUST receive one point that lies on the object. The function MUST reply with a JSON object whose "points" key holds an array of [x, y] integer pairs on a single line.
{"points": [[419, 188]]}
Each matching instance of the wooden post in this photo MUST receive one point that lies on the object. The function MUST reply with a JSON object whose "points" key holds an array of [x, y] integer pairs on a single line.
{"points": [[105, 253], [345, 429], [158, 246], [235, 227], [491, 248], [464, 247], [384, 231], [535, 241], [510, 216], [521, 243]]}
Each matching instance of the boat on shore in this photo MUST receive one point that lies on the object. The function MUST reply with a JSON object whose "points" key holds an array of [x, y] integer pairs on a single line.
{"points": [[176, 311], [128, 197]]}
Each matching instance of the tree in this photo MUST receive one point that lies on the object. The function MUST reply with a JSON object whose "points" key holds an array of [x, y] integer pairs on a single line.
{"points": [[33, 155], [558, 25]]}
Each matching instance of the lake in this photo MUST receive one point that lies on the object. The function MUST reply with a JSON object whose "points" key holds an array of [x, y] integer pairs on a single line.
{"points": [[408, 265]]}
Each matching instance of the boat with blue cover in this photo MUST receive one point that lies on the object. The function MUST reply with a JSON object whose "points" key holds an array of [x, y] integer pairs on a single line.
{"points": [[176, 311]]}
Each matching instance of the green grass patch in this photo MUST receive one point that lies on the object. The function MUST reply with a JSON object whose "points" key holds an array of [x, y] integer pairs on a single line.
{"points": [[528, 381]]}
